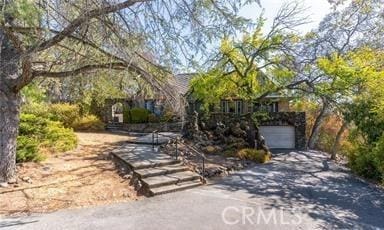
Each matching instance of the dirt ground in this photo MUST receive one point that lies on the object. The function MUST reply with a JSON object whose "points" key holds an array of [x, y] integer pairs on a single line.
{"points": [[82, 177]]}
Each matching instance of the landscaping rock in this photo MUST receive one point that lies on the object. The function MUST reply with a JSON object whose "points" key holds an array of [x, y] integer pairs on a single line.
{"points": [[4, 185]]}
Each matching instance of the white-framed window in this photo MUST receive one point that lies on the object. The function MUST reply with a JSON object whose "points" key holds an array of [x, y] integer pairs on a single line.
{"points": [[267, 107], [238, 107], [224, 106]]}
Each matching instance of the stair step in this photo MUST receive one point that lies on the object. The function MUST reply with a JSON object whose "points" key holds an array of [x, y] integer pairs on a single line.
{"points": [[175, 187], [157, 171], [147, 165], [169, 179]]}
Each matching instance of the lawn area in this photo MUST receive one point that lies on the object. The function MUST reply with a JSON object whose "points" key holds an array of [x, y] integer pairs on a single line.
{"points": [[83, 177]]}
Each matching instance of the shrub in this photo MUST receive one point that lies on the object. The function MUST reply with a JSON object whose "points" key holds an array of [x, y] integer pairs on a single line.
{"points": [[367, 160], [136, 115], [59, 138], [88, 123], [259, 156], [126, 115], [65, 113], [37, 133], [28, 150], [40, 110]]}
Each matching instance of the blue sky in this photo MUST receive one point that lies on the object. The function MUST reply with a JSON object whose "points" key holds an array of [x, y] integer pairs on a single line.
{"points": [[317, 9]]}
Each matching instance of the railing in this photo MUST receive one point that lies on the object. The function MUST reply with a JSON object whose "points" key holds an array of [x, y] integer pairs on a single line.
{"points": [[177, 142]]}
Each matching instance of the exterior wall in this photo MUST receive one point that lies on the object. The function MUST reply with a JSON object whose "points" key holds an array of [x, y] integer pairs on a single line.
{"points": [[296, 119], [107, 111], [284, 106]]}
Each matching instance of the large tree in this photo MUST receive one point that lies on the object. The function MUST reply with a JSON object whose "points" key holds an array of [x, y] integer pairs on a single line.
{"points": [[344, 30], [255, 66], [46, 38]]}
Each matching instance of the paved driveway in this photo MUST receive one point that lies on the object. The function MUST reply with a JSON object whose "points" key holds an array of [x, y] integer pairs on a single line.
{"points": [[298, 190]]}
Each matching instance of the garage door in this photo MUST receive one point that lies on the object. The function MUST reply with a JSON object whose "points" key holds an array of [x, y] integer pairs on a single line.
{"points": [[279, 137]]}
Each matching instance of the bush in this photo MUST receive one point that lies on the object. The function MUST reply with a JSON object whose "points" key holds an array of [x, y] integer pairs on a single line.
{"points": [[259, 156], [37, 133], [40, 110], [59, 138], [89, 123], [136, 115], [65, 113], [368, 161], [28, 150]]}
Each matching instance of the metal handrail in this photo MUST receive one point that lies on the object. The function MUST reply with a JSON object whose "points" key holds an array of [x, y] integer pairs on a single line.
{"points": [[176, 140]]}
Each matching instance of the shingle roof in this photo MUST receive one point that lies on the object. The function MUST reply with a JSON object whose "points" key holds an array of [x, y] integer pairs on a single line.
{"points": [[182, 82]]}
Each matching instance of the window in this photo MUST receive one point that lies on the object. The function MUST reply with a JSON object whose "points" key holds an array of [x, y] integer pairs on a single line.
{"points": [[266, 107], [149, 105], [239, 107], [224, 106]]}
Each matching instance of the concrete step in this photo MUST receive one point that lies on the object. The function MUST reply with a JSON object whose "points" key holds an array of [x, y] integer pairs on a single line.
{"points": [[175, 187], [169, 179], [163, 170], [159, 163]]}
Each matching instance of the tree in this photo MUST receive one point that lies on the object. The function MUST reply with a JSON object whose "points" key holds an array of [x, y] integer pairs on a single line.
{"points": [[255, 66], [340, 32], [58, 39]]}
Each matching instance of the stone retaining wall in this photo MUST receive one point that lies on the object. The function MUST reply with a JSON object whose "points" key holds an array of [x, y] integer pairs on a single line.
{"points": [[150, 127], [296, 119]]}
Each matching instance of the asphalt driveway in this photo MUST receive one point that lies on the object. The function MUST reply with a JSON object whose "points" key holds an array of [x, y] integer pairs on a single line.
{"points": [[297, 190]]}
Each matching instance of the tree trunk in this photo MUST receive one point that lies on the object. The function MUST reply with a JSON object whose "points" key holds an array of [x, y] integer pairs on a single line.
{"points": [[9, 123], [317, 125], [10, 82], [336, 145]]}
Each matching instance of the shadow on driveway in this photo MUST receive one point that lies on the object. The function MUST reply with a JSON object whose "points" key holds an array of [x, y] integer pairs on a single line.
{"points": [[309, 182]]}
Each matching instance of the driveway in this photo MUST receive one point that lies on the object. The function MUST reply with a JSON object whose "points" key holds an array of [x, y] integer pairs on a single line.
{"points": [[297, 190]]}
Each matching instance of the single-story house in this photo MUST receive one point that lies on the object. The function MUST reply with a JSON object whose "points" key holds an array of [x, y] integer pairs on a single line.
{"points": [[285, 129]]}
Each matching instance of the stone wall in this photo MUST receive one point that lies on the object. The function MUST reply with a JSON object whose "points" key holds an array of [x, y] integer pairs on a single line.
{"points": [[150, 127], [296, 119]]}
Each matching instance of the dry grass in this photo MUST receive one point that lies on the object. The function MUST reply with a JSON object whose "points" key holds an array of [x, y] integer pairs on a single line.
{"points": [[79, 178]]}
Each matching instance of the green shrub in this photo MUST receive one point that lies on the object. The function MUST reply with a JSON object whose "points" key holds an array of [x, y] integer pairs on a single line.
{"points": [[368, 161], [28, 150], [136, 115], [259, 156], [37, 133], [59, 138], [89, 123], [126, 115], [40, 110], [65, 113]]}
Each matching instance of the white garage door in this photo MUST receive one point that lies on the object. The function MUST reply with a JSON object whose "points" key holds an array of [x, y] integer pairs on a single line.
{"points": [[279, 137]]}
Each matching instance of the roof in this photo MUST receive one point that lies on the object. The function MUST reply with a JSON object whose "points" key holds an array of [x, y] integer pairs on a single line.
{"points": [[182, 82]]}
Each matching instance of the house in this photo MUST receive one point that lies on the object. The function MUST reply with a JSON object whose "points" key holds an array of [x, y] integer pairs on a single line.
{"points": [[284, 128]]}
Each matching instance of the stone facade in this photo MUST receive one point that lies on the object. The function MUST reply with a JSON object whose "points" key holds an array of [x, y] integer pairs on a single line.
{"points": [[296, 119]]}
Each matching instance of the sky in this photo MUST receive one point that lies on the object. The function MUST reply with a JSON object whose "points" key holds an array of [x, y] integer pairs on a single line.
{"points": [[316, 10]]}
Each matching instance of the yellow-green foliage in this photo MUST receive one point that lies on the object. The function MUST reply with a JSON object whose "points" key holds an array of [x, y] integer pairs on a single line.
{"points": [[37, 133], [88, 123], [259, 156], [65, 113], [167, 116]]}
